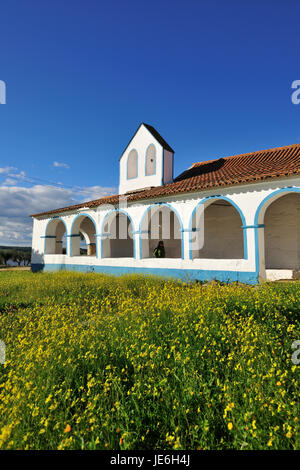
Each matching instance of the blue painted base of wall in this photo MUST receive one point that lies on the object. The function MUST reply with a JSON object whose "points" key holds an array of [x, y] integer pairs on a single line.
{"points": [[183, 274], [35, 267]]}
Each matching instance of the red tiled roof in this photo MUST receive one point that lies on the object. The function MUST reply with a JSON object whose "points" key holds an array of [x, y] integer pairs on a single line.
{"points": [[228, 171]]}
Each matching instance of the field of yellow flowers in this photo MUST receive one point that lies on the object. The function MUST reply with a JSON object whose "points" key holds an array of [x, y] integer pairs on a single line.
{"points": [[99, 362]]}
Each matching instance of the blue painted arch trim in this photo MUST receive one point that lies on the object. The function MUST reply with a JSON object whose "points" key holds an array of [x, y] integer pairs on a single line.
{"points": [[225, 198], [257, 225], [47, 236], [178, 217], [288, 189], [102, 227], [83, 214]]}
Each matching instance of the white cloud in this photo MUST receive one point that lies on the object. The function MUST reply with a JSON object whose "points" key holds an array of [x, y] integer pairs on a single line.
{"points": [[18, 202], [61, 165], [7, 169], [90, 193], [21, 175], [11, 172], [9, 182]]}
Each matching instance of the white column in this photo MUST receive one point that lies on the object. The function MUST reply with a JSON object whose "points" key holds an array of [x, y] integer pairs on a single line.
{"points": [[255, 238], [74, 244], [137, 244], [261, 251], [186, 244], [50, 244]]}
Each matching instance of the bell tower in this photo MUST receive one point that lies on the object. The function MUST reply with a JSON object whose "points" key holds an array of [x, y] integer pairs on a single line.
{"points": [[146, 162]]}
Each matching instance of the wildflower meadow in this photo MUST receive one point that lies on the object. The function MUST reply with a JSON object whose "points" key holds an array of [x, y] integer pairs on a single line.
{"points": [[100, 362]]}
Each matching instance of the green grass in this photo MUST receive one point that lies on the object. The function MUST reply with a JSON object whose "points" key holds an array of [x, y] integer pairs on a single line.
{"points": [[98, 362]]}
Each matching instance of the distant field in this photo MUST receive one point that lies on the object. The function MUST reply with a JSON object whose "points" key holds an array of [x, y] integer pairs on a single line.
{"points": [[96, 362], [15, 268]]}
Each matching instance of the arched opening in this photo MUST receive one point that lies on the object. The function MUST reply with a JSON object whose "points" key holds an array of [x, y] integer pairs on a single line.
{"points": [[132, 164], [55, 238], [117, 241], [84, 246], [150, 160], [161, 223], [282, 233], [217, 231], [83, 237]]}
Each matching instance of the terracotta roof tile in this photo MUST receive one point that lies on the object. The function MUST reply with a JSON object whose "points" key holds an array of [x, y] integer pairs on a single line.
{"points": [[228, 171]]}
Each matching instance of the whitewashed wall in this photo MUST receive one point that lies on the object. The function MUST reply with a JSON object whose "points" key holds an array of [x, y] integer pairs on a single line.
{"points": [[168, 167], [246, 197]]}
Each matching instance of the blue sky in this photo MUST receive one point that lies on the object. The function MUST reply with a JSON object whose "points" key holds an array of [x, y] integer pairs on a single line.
{"points": [[214, 78]]}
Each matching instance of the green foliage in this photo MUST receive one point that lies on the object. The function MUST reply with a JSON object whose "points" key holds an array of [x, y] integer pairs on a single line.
{"points": [[20, 255]]}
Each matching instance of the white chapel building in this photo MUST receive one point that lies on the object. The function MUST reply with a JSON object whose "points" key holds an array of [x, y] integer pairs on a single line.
{"points": [[235, 218]]}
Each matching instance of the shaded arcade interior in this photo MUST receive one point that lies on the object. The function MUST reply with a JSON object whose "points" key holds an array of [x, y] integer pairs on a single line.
{"points": [[161, 223], [117, 241], [217, 231]]}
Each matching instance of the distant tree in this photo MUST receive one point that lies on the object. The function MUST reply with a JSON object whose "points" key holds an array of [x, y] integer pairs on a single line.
{"points": [[7, 255], [27, 258], [18, 257], [17, 254]]}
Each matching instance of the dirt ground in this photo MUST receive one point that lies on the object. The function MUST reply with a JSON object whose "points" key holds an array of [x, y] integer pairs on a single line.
{"points": [[15, 268]]}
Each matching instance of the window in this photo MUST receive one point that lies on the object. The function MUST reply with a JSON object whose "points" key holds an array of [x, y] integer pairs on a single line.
{"points": [[150, 160], [132, 164]]}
